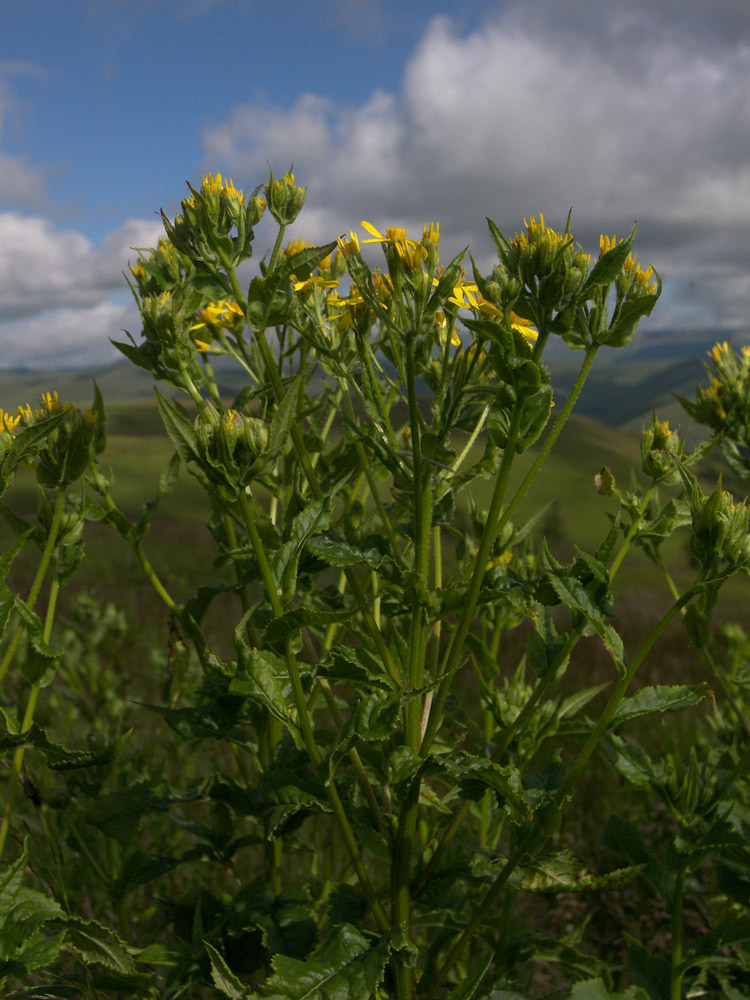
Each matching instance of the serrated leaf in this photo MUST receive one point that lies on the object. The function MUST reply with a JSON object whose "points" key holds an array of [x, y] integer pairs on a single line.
{"points": [[345, 967], [564, 872], [95, 943], [313, 518], [223, 977], [467, 989], [664, 698], [179, 428], [337, 552], [647, 970]]}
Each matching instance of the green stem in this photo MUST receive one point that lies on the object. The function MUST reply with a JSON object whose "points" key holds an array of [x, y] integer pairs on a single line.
{"points": [[619, 693], [551, 438], [36, 585], [532, 836], [675, 992], [145, 565], [711, 664], [28, 718], [366, 467], [456, 645], [305, 720]]}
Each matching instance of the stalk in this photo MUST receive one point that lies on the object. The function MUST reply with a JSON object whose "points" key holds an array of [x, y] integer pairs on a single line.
{"points": [[28, 718], [675, 990], [305, 720], [588, 748], [712, 665], [36, 585]]}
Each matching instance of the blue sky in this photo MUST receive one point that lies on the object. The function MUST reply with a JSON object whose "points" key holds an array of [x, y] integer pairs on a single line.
{"points": [[396, 112]]}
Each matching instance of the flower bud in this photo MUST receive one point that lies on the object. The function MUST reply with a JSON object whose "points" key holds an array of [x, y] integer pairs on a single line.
{"points": [[658, 446], [284, 198]]}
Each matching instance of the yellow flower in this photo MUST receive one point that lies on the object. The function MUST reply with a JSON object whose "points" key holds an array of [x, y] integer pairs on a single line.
{"points": [[431, 233], [412, 254], [718, 350], [441, 321], [524, 326], [221, 313], [8, 423], [641, 281], [315, 282], [607, 243], [349, 248], [51, 404], [296, 246], [393, 234], [216, 185]]}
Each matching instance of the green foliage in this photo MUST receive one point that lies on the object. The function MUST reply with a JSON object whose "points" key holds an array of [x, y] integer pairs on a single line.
{"points": [[359, 772]]}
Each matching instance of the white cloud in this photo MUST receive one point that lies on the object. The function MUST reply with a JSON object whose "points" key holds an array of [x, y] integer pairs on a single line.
{"points": [[66, 338], [43, 268], [622, 112]]}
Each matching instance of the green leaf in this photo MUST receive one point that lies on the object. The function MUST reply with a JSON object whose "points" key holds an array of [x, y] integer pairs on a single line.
{"points": [[284, 415], [623, 329], [279, 630], [261, 676], [564, 872], [345, 967], [314, 517], [467, 989], [301, 264], [119, 813], [630, 760], [223, 977], [42, 660], [663, 698], [334, 551], [609, 264], [97, 944], [59, 757], [444, 288], [544, 645], [648, 971], [595, 989], [179, 428]]}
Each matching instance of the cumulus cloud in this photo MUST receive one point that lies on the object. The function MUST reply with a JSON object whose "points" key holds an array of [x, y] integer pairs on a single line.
{"points": [[57, 288], [626, 112], [66, 338], [43, 267]]}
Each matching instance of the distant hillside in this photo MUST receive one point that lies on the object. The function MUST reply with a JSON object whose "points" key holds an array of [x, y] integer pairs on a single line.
{"points": [[623, 389]]}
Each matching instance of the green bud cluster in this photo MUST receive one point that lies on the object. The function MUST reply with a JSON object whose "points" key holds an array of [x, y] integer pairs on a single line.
{"points": [[659, 446], [724, 404], [63, 453], [721, 531], [204, 230], [548, 264], [231, 444], [285, 198]]}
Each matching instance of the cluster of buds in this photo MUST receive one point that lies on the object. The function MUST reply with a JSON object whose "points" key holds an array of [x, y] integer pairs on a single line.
{"points": [[215, 317], [721, 530], [63, 452], [231, 444], [284, 198], [726, 400], [633, 282], [546, 263], [660, 445], [202, 231], [160, 268]]}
